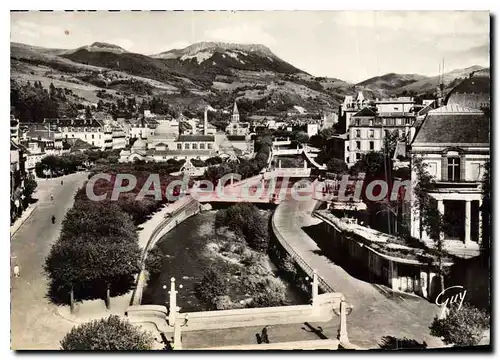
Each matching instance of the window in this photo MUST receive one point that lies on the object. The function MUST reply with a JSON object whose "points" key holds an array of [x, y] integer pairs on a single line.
{"points": [[358, 133], [85, 136], [209, 146], [99, 136], [358, 156], [372, 145], [179, 146], [372, 134], [186, 146], [202, 146], [408, 121], [195, 146], [454, 169], [92, 136], [391, 122], [358, 144], [371, 122]]}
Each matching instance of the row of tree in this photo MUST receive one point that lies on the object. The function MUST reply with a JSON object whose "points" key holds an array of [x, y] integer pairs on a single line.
{"points": [[96, 255]]}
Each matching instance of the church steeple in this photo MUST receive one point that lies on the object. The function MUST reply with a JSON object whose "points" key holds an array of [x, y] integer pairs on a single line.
{"points": [[236, 115]]}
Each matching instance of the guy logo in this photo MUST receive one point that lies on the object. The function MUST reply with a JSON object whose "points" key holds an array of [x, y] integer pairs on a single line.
{"points": [[449, 300]]}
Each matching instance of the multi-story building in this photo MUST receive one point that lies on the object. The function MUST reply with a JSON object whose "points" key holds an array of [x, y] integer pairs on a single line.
{"points": [[454, 142], [370, 126], [92, 131], [350, 106]]}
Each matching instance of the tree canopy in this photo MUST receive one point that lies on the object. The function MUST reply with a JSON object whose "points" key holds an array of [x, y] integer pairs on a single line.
{"points": [[111, 334]]}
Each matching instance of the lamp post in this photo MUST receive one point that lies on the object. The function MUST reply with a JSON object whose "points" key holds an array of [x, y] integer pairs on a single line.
{"points": [[173, 301], [344, 311]]}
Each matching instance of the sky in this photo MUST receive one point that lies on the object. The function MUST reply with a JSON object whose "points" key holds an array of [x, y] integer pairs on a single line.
{"points": [[349, 45]]}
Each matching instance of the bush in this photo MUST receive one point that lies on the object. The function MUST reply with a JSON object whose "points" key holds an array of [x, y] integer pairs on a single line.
{"points": [[154, 260], [245, 219], [212, 285], [111, 334], [272, 292], [464, 327]]}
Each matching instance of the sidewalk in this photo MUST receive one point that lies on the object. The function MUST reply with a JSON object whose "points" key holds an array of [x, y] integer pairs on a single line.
{"points": [[21, 220]]}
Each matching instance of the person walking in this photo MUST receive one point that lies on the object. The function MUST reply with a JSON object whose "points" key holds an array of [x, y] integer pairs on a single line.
{"points": [[53, 219]]}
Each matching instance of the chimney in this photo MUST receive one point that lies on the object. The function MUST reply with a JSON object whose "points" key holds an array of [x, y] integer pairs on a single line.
{"points": [[205, 122]]}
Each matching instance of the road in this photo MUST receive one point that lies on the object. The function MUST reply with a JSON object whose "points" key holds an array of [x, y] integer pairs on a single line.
{"points": [[34, 321], [376, 312]]}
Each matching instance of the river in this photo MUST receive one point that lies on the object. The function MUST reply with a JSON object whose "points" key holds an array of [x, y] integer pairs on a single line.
{"points": [[184, 247]]}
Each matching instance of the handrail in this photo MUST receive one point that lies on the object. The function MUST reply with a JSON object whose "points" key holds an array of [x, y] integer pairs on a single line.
{"points": [[298, 259]]}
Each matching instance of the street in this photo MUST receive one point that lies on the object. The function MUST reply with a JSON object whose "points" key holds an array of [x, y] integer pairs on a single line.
{"points": [[34, 321]]}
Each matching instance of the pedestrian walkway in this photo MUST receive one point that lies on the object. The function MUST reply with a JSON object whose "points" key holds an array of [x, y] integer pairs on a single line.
{"points": [[375, 313], [250, 335]]}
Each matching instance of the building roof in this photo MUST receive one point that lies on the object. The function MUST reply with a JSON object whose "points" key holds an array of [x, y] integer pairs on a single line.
{"points": [[366, 111], [455, 109], [454, 128], [470, 90], [139, 144], [41, 134], [79, 144], [74, 122], [153, 152], [399, 100], [185, 138], [235, 108], [360, 97]]}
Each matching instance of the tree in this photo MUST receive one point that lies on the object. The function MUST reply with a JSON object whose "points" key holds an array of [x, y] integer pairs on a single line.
{"points": [[154, 260], [29, 188], [337, 166], [425, 206], [111, 334], [97, 249], [486, 211], [211, 286], [461, 327]]}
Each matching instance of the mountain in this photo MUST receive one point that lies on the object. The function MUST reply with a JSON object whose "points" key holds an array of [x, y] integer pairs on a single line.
{"points": [[391, 81], [99, 47], [200, 74], [206, 73], [430, 84], [254, 57]]}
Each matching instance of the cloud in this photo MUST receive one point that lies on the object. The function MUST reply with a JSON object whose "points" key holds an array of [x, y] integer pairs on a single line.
{"points": [[241, 33], [428, 22], [23, 28]]}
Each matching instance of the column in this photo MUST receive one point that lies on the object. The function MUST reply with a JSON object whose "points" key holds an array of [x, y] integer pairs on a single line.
{"points": [[177, 336], [173, 303], [314, 287], [343, 323], [480, 223], [305, 164], [440, 205], [467, 222], [279, 164]]}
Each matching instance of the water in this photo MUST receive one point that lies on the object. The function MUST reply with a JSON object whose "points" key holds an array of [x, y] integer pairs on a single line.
{"points": [[184, 247]]}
